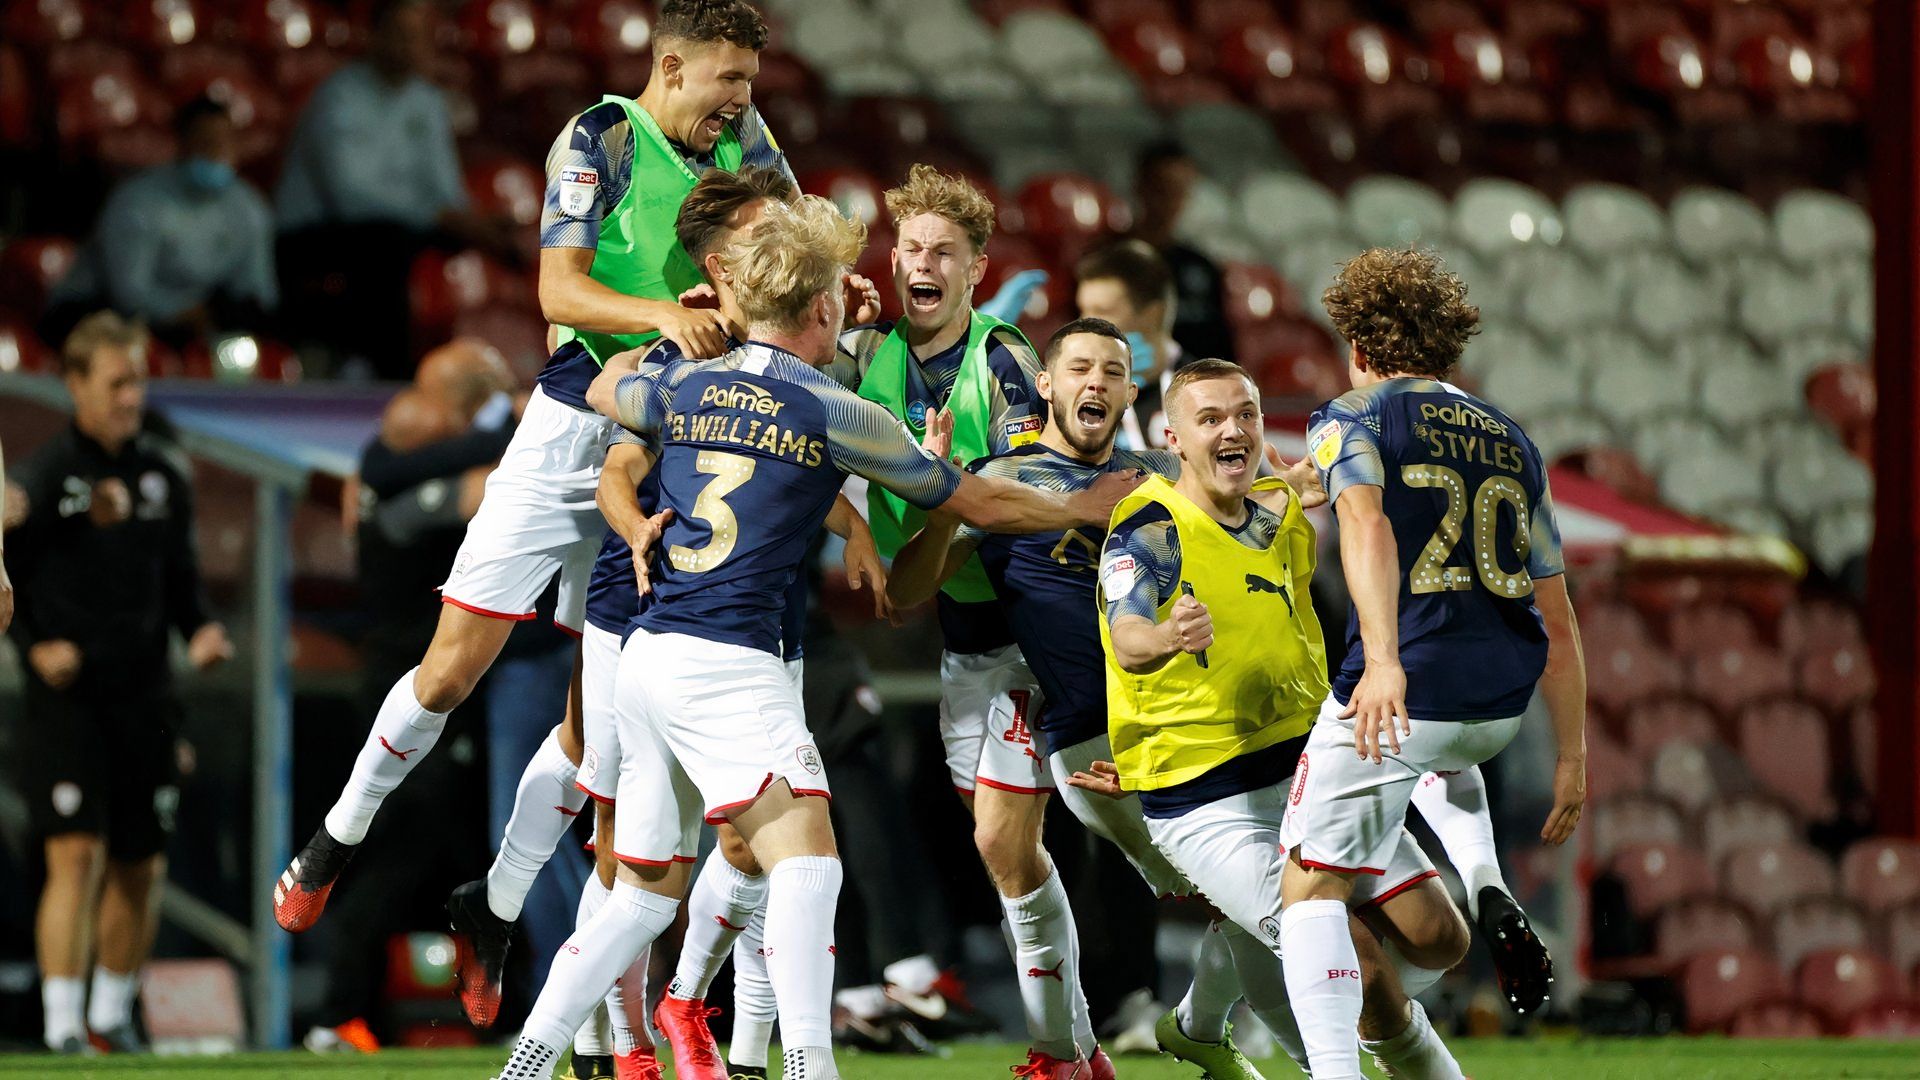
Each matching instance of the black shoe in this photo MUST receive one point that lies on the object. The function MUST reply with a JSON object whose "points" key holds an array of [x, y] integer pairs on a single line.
{"points": [[74, 1046], [124, 1039], [482, 940], [746, 1072], [592, 1067], [1519, 957], [301, 894]]}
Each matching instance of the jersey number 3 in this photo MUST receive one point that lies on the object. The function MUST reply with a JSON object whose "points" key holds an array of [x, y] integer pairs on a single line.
{"points": [[1431, 574], [729, 471]]}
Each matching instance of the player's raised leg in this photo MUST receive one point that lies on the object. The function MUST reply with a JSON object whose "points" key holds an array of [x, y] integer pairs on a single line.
{"points": [[1454, 804]]}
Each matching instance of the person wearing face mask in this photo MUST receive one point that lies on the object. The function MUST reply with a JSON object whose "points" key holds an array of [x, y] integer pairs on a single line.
{"points": [[107, 574], [1128, 284], [186, 248]]}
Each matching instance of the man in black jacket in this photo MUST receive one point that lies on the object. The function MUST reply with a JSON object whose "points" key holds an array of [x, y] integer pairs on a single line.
{"points": [[106, 569]]}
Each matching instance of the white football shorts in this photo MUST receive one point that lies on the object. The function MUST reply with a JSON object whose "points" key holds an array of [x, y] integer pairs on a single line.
{"points": [[988, 702]]}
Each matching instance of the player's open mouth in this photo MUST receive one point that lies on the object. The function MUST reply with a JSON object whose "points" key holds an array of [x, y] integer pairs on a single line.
{"points": [[1092, 415], [1232, 462], [715, 123], [924, 297]]}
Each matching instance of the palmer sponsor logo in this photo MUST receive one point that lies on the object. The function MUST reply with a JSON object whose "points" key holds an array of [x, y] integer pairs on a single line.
{"points": [[1461, 415], [743, 397]]}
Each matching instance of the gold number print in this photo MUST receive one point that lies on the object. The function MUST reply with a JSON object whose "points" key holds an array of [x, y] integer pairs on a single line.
{"points": [[1068, 538], [729, 472], [1431, 574], [1486, 522]]}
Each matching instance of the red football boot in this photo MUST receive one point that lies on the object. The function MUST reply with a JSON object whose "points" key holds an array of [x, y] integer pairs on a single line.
{"points": [[301, 893], [696, 1056], [1041, 1066], [639, 1065]]}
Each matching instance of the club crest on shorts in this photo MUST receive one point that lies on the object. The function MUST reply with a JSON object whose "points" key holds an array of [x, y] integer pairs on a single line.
{"points": [[1270, 926], [589, 764], [809, 759], [1299, 781]]}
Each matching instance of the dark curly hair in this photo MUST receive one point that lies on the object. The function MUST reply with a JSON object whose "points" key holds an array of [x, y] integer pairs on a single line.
{"points": [[1404, 309], [711, 21]]}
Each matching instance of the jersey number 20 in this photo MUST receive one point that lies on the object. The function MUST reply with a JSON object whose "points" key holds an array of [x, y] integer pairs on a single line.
{"points": [[1431, 574], [729, 472]]}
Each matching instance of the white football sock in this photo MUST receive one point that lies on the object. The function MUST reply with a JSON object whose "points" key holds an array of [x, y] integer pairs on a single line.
{"points": [[720, 906], [63, 1003], [626, 1006], [1455, 806], [802, 895], [544, 805], [1323, 982], [597, 954], [1413, 980], [808, 1063], [403, 734], [1047, 963], [1264, 983], [1203, 1012], [1416, 1053], [111, 1002], [595, 1037], [754, 1007]]}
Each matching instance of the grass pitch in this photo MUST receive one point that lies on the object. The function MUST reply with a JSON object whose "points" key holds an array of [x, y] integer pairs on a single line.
{"points": [[1483, 1059]]}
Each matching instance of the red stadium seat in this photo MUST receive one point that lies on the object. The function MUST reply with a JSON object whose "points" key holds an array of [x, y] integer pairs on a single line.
{"points": [[160, 25], [508, 188], [1775, 1020], [46, 22], [1065, 210], [1746, 821], [1717, 985], [21, 351], [1653, 724], [876, 262], [1293, 359], [1318, 18], [29, 269], [1730, 677], [1527, 22], [1797, 77], [112, 115], [1009, 254], [90, 56], [1843, 395], [1253, 293], [1430, 17], [1660, 874], [1807, 625], [1786, 749], [1674, 64], [1770, 876], [1806, 927], [518, 332], [796, 121], [443, 287], [1837, 676], [1703, 924], [1838, 983], [1696, 630], [1611, 622], [1622, 673], [1266, 64], [1885, 1021], [500, 27], [1611, 770], [1900, 933], [1623, 821], [1106, 14], [858, 194], [1155, 47], [274, 26], [1488, 76], [1693, 775], [891, 125], [1217, 16], [611, 28], [1384, 76], [1882, 872]]}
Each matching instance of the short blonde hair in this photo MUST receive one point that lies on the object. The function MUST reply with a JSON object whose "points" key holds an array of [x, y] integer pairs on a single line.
{"points": [[930, 191], [795, 253], [102, 330]]}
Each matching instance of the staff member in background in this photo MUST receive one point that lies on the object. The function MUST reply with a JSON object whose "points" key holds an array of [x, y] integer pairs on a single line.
{"points": [[1128, 284], [1163, 182], [187, 246], [107, 568]]}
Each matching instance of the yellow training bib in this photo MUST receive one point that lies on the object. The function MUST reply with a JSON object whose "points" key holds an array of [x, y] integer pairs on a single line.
{"points": [[1266, 672]]}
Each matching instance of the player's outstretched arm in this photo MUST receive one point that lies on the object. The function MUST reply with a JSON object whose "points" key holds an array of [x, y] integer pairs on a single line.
{"points": [[569, 296], [865, 569], [1564, 688], [1371, 558], [1008, 506], [927, 561], [603, 393]]}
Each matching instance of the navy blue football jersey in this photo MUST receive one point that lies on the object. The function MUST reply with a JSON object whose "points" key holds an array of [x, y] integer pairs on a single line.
{"points": [[755, 445], [1466, 493], [1046, 584]]}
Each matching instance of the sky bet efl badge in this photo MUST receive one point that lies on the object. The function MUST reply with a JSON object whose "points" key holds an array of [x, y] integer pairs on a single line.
{"points": [[577, 186], [1324, 444]]}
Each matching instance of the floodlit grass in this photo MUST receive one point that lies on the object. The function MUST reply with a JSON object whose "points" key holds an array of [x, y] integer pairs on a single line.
{"points": [[1483, 1059]]}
